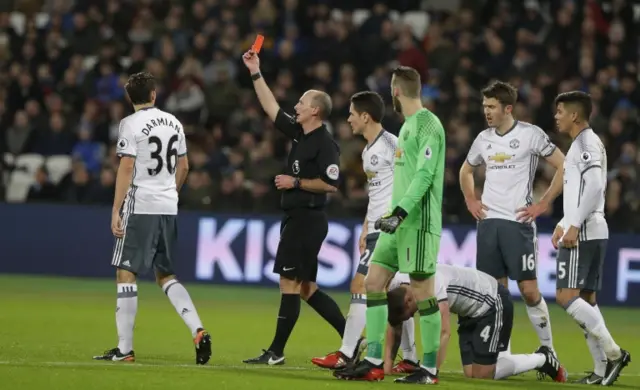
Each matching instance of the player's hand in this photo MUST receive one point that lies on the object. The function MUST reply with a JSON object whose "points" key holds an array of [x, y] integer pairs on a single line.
{"points": [[476, 208], [116, 225], [284, 182], [362, 242], [570, 238], [557, 235], [251, 61], [530, 213]]}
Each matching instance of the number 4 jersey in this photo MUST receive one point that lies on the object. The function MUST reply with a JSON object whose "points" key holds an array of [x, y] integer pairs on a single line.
{"points": [[155, 139]]}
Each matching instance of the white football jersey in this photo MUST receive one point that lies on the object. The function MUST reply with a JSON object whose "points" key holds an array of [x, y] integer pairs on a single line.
{"points": [[511, 162], [155, 139], [378, 162], [586, 152], [469, 292]]}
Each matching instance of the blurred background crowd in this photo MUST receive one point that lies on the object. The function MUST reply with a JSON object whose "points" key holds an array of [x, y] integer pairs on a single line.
{"points": [[63, 64]]}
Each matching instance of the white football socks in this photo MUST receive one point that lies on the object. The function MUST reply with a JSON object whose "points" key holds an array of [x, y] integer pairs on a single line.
{"points": [[510, 365], [356, 320], [597, 353], [539, 317], [408, 343], [591, 321], [181, 300], [126, 309]]}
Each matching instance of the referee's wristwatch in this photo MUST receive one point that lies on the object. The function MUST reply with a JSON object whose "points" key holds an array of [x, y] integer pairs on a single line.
{"points": [[296, 182]]}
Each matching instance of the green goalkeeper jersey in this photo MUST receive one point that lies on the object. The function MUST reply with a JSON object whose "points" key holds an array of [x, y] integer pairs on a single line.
{"points": [[418, 177]]}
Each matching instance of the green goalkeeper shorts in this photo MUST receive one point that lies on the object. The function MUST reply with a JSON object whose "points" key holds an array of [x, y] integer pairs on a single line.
{"points": [[408, 251]]}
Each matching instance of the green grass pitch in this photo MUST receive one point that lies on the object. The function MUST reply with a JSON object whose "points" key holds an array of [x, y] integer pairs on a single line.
{"points": [[51, 327]]}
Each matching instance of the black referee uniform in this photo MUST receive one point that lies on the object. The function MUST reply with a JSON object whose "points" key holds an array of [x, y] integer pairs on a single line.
{"points": [[304, 225]]}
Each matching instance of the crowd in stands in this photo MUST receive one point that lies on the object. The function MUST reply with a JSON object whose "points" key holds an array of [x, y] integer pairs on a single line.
{"points": [[63, 64]]}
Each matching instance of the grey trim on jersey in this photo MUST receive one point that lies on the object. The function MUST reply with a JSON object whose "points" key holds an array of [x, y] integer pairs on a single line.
{"points": [[182, 155], [515, 123], [533, 166], [126, 155], [375, 139], [551, 152]]}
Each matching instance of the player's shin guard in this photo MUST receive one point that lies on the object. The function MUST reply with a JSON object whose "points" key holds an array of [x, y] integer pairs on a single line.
{"points": [[181, 301], [377, 312], [126, 309], [587, 317], [539, 317], [356, 320], [430, 326]]}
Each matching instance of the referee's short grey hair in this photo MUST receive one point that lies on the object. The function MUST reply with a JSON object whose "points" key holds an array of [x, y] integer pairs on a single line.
{"points": [[322, 100]]}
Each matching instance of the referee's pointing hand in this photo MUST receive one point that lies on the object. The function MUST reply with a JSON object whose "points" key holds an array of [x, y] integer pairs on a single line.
{"points": [[284, 182]]}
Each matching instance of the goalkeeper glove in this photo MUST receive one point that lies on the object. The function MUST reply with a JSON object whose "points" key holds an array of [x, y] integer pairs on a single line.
{"points": [[390, 222]]}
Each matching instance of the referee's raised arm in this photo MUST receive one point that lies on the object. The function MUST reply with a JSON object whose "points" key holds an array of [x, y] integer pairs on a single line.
{"points": [[283, 121]]}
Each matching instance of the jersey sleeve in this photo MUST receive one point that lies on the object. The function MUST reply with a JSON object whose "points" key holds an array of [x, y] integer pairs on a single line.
{"points": [[541, 144], [591, 184], [441, 290], [430, 138], [474, 157], [328, 161], [588, 157], [126, 145], [182, 144], [391, 144], [287, 124]]}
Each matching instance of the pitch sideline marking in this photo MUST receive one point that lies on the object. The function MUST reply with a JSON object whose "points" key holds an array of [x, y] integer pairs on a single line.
{"points": [[206, 367]]}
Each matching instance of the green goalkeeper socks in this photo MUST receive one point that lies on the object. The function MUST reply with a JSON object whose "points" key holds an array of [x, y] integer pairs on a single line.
{"points": [[430, 326], [377, 312]]}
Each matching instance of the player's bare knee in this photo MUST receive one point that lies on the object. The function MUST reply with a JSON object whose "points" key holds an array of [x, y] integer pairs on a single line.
{"points": [[124, 276], [307, 289], [162, 279], [422, 286], [377, 279], [565, 296], [589, 296], [530, 292], [357, 284], [468, 370], [483, 372]]}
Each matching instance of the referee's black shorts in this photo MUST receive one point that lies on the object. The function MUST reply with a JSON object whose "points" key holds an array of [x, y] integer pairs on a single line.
{"points": [[301, 235]]}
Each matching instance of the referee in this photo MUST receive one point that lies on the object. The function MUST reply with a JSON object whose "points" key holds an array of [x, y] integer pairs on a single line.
{"points": [[312, 171]]}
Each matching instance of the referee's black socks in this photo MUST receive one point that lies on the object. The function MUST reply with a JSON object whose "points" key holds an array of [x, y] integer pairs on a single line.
{"points": [[329, 310], [287, 318]]}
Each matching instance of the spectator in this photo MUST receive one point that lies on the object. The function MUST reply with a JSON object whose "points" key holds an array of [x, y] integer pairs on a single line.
{"points": [[42, 190]]}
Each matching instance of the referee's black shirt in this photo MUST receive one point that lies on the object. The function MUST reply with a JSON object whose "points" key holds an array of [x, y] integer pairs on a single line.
{"points": [[313, 155]]}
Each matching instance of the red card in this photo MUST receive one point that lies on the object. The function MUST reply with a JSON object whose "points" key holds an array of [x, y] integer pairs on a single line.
{"points": [[257, 44]]}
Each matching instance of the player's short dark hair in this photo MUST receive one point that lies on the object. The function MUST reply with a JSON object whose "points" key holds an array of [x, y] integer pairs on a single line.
{"points": [[408, 80], [503, 92], [322, 100], [139, 87], [578, 99], [369, 102], [395, 303]]}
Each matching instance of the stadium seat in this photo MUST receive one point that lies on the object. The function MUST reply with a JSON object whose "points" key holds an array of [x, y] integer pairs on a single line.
{"points": [[8, 163], [418, 21], [58, 167], [359, 16], [29, 162], [18, 188]]}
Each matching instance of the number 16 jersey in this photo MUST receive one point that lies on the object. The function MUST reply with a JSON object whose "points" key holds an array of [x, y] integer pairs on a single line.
{"points": [[155, 139]]}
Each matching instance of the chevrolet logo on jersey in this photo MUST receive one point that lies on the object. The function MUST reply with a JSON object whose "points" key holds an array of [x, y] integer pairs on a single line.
{"points": [[500, 157], [398, 152]]}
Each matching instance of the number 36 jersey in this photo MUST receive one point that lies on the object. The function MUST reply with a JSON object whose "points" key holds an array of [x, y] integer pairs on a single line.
{"points": [[155, 139]]}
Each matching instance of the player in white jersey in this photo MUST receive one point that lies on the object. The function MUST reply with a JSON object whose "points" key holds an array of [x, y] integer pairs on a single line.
{"points": [[365, 114], [153, 167], [485, 320], [506, 235], [582, 234]]}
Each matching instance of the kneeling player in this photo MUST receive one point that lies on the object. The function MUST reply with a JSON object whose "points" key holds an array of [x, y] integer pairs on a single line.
{"points": [[485, 320]]}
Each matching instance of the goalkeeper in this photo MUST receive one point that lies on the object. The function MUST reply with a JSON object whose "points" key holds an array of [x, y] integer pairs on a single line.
{"points": [[410, 236]]}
